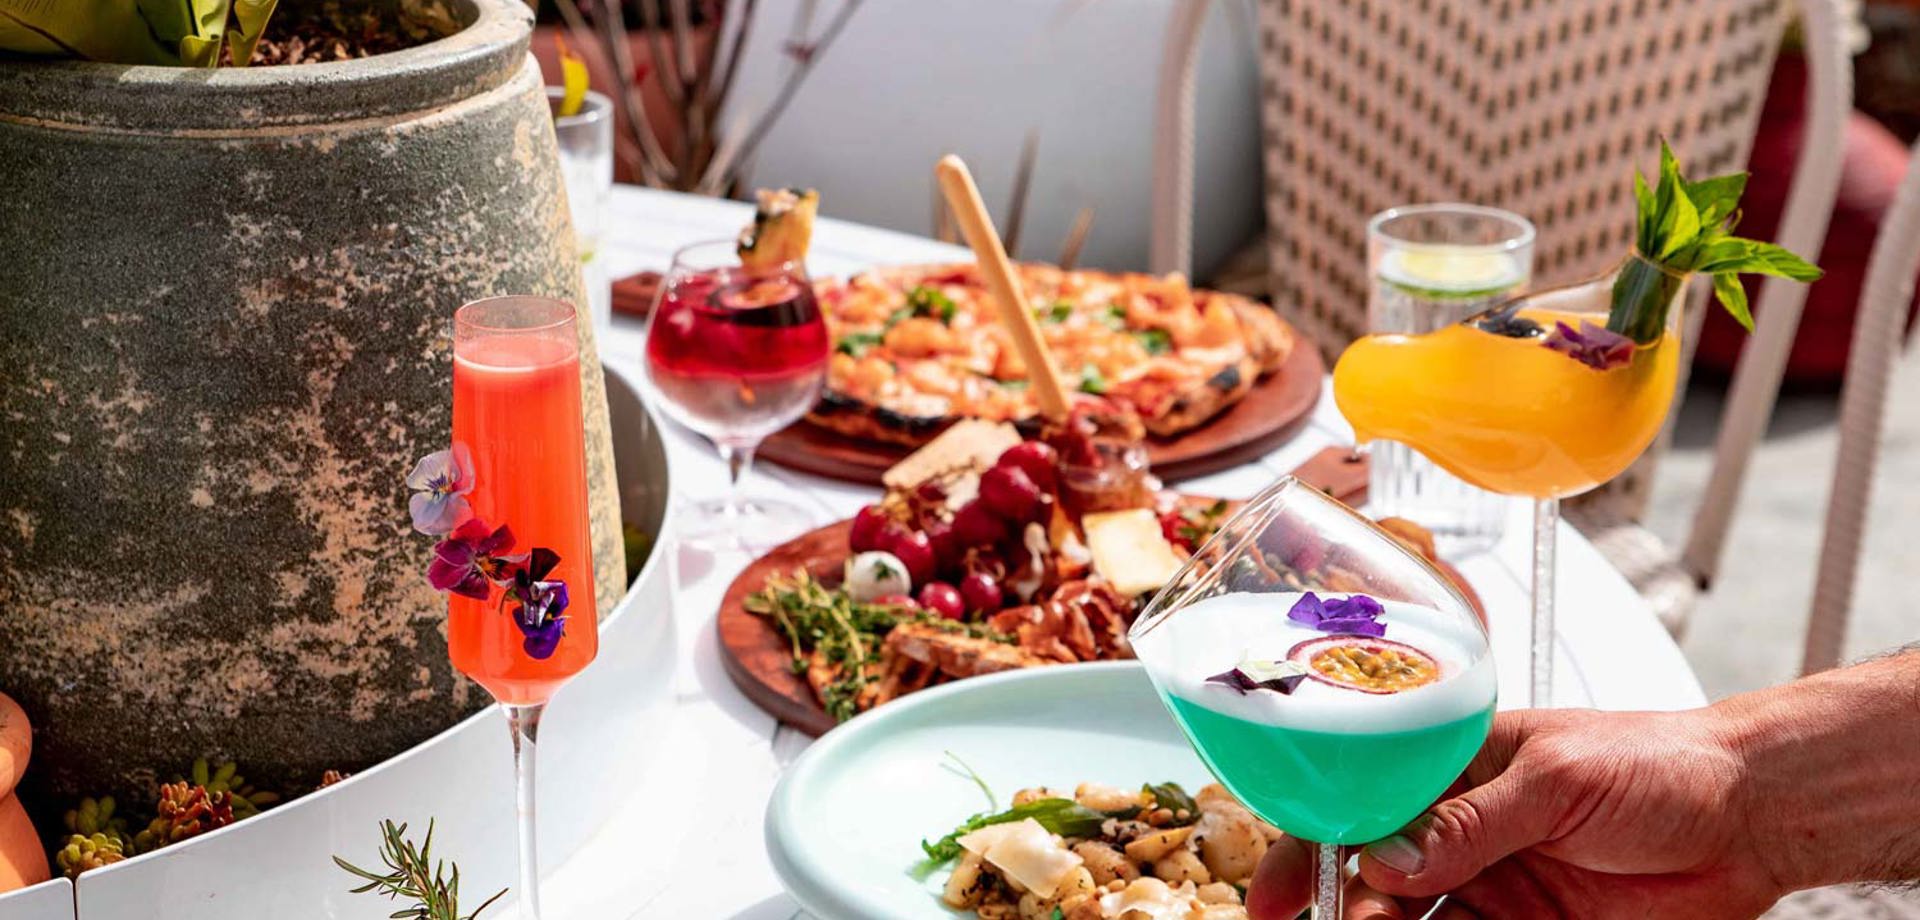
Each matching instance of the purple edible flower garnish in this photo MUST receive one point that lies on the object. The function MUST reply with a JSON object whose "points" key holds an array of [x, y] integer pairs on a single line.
{"points": [[1278, 676], [1356, 614], [543, 603], [541, 617], [1592, 345], [471, 559], [440, 483]]}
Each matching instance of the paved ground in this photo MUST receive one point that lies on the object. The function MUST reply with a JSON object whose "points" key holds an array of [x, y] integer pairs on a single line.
{"points": [[1748, 632]]}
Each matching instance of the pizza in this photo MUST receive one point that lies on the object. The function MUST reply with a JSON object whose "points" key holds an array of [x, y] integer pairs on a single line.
{"points": [[917, 348]]}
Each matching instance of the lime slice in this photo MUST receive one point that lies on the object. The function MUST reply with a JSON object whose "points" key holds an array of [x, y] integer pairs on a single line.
{"points": [[1450, 271]]}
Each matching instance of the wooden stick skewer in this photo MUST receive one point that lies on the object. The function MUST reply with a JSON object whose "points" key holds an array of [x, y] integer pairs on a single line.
{"points": [[963, 198]]}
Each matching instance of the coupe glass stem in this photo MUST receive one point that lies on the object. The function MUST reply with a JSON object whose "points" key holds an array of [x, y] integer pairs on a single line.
{"points": [[1328, 892], [1546, 522], [524, 722]]}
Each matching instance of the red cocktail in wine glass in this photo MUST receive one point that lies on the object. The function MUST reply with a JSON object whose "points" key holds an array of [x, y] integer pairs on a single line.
{"points": [[736, 354]]}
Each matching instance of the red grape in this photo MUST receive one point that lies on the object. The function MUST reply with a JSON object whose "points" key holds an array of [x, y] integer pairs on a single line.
{"points": [[943, 599], [1009, 492], [915, 552], [946, 548], [975, 525], [1037, 459], [868, 526], [981, 592]]}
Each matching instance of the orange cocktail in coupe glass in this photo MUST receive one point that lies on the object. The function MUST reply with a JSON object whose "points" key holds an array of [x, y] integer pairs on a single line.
{"points": [[1551, 394], [509, 498]]}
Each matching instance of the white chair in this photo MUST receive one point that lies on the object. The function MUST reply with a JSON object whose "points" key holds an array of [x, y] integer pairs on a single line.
{"points": [[1543, 107]]}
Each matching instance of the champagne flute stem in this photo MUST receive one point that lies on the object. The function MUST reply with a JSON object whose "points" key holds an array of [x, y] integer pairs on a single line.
{"points": [[1328, 892], [524, 722], [1546, 523], [739, 460]]}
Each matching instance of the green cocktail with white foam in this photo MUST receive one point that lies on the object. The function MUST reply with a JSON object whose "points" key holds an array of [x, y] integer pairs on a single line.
{"points": [[1370, 729]]}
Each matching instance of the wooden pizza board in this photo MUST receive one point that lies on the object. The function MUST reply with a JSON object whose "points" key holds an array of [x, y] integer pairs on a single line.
{"points": [[1258, 423], [759, 659]]}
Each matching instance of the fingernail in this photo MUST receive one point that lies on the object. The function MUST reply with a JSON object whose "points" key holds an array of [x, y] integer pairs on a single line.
{"points": [[1399, 854]]}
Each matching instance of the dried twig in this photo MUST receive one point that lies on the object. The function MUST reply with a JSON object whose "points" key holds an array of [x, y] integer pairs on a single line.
{"points": [[1022, 187], [804, 59], [1076, 238]]}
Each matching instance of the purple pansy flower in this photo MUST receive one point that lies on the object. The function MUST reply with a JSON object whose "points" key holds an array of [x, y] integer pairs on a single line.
{"points": [[440, 483], [1356, 614], [541, 615], [1592, 345], [1248, 676], [472, 558]]}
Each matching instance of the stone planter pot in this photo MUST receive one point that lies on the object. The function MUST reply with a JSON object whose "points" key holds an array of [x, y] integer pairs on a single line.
{"points": [[225, 333]]}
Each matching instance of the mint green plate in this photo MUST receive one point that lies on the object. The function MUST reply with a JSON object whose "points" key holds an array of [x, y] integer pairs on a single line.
{"points": [[845, 824]]}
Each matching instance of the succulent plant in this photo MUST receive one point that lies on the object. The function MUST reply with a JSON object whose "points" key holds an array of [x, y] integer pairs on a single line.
{"points": [[185, 810], [82, 852], [247, 801], [96, 817]]}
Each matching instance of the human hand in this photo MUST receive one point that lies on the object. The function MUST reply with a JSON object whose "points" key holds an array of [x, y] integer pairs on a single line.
{"points": [[1565, 813]]}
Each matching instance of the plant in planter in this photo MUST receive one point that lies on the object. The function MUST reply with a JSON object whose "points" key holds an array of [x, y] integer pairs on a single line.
{"points": [[209, 415], [670, 67]]}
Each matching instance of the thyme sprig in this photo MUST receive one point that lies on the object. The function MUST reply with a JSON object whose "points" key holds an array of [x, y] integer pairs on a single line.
{"points": [[412, 874]]}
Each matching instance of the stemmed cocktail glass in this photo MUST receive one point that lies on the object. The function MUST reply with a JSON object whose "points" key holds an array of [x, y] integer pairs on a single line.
{"points": [[1331, 678], [736, 354], [510, 500], [1532, 398]]}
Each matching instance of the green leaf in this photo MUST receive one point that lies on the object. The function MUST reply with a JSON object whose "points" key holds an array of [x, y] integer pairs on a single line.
{"points": [[1718, 197], [1727, 290], [1172, 798], [1091, 380], [1155, 341], [1059, 816], [926, 301], [1114, 317], [251, 16], [1057, 312], [1681, 225], [1646, 212], [857, 343]]}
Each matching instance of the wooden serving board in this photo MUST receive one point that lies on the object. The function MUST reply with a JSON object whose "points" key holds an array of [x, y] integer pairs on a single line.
{"points": [[757, 655], [1256, 424]]}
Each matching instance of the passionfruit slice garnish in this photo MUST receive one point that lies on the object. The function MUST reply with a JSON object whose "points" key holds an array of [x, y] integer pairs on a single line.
{"points": [[1366, 664]]}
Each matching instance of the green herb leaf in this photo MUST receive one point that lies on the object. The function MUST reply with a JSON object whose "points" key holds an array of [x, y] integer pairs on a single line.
{"points": [[857, 343], [1155, 341], [1733, 296], [1718, 197], [1059, 816], [1091, 380], [1015, 385], [1172, 798], [1114, 317], [926, 301], [1057, 312], [1058, 914]]}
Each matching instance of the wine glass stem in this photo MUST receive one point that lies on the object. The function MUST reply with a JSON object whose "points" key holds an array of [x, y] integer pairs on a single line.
{"points": [[1328, 901], [1546, 522], [524, 722], [739, 460]]}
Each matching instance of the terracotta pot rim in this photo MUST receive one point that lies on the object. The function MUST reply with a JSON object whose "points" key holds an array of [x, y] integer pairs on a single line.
{"points": [[144, 99]]}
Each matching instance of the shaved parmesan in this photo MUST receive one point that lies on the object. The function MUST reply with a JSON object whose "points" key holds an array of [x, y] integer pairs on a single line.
{"points": [[1025, 853], [1149, 898]]}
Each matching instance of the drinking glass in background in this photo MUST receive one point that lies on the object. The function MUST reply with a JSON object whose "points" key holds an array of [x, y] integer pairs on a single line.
{"points": [[586, 163], [736, 354], [1433, 265]]}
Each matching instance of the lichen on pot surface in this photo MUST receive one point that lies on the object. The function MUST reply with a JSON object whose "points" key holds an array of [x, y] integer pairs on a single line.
{"points": [[226, 332]]}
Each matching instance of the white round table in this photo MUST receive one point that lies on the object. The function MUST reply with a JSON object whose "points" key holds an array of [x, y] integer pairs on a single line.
{"points": [[722, 755]]}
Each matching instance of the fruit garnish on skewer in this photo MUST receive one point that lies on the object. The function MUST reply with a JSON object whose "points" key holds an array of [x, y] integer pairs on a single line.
{"points": [[782, 229]]}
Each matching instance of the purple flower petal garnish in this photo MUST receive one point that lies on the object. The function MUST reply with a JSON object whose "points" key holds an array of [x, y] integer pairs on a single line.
{"points": [[541, 642], [541, 615], [1233, 680], [467, 560], [1355, 614], [1592, 345], [440, 483]]}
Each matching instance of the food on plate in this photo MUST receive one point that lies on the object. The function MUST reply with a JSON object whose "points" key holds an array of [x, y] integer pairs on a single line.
{"points": [[1104, 853], [919, 347], [975, 561]]}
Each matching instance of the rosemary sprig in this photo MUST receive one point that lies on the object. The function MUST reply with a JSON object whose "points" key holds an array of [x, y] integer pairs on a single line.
{"points": [[434, 887]]}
